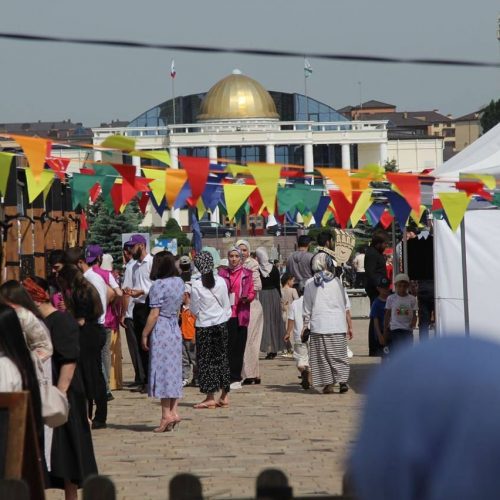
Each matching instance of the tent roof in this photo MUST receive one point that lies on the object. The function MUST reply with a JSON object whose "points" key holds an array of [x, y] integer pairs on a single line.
{"points": [[482, 157]]}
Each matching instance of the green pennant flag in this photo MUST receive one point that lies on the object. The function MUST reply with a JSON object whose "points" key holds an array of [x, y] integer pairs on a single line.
{"points": [[309, 197], [5, 164], [288, 199], [119, 142], [81, 184], [108, 175]]}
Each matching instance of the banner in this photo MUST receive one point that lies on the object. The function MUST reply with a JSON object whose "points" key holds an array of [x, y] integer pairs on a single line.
{"points": [[5, 165], [454, 205], [236, 195], [36, 150], [266, 177], [174, 180]]}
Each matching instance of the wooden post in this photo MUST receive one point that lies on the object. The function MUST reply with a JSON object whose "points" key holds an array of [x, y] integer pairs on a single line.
{"points": [[11, 242]]}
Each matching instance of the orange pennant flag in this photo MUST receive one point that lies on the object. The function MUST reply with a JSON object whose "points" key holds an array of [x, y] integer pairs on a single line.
{"points": [[174, 180], [36, 150], [409, 187], [340, 178]]}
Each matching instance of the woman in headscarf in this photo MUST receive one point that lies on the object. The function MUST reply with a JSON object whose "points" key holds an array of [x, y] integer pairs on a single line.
{"points": [[72, 455], [210, 305], [325, 312], [251, 373], [274, 329], [430, 429], [239, 282]]}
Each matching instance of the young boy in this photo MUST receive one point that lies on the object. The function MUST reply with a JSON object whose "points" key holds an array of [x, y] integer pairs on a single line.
{"points": [[400, 314], [377, 316], [300, 350]]}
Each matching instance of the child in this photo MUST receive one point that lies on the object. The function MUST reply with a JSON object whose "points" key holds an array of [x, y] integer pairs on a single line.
{"points": [[300, 349], [377, 315], [400, 314]]}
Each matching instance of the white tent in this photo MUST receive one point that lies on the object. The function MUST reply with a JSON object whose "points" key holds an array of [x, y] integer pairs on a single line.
{"points": [[482, 156], [467, 268]]}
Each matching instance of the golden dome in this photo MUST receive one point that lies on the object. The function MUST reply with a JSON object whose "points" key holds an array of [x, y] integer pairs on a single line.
{"points": [[237, 97]]}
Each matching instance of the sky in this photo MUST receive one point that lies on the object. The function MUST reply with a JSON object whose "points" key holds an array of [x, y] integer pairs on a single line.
{"points": [[51, 82]]}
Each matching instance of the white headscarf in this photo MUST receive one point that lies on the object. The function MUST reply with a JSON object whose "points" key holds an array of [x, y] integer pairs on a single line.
{"points": [[245, 243], [265, 266]]}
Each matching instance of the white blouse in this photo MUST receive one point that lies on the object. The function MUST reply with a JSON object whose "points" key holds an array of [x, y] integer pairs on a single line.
{"points": [[211, 307], [10, 378]]}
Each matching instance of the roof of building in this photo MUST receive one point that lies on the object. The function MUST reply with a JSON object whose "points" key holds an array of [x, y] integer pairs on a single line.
{"points": [[47, 129], [237, 97], [372, 104], [474, 116]]}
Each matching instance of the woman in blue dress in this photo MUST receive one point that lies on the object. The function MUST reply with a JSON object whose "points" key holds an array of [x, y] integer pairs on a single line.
{"points": [[162, 337]]}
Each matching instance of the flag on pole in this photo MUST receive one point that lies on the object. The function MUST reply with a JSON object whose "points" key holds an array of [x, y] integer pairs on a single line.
{"points": [[307, 68], [172, 69]]}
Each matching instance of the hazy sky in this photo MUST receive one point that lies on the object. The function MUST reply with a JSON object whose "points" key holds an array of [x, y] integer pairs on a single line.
{"points": [[45, 81]]}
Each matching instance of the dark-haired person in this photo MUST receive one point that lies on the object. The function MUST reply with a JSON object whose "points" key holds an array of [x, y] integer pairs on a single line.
{"points": [[83, 302], [162, 337], [138, 293], [299, 262], [375, 270], [17, 371], [210, 304], [72, 456]]}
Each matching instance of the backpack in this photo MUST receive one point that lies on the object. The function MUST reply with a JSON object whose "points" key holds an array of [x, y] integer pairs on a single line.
{"points": [[188, 320]]}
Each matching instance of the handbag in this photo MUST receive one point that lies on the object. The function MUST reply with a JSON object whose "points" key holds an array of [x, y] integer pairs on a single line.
{"points": [[55, 406]]}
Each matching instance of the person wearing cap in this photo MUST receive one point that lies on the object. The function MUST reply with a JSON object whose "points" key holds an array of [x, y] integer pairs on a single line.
{"points": [[377, 315], [127, 320], [94, 256], [138, 292], [400, 314], [325, 312], [185, 268], [299, 262]]}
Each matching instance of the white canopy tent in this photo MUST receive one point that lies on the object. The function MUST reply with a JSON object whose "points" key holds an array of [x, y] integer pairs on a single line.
{"points": [[482, 156], [467, 267]]}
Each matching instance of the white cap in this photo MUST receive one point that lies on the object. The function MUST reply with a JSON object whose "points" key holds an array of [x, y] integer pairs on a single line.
{"points": [[401, 277], [107, 262]]}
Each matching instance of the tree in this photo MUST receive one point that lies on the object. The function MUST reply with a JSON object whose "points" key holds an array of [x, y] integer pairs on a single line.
{"points": [[490, 115], [173, 230], [105, 228], [391, 166]]}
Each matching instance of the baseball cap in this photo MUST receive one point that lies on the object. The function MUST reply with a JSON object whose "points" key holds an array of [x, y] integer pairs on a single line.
{"points": [[184, 260], [92, 252], [107, 262], [401, 277], [383, 283], [136, 239]]}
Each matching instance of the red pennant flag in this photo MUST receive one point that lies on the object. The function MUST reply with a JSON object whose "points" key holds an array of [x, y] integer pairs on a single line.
{"points": [[83, 222], [131, 184], [386, 219], [59, 166], [436, 204], [255, 201], [143, 202], [409, 186], [87, 171], [474, 187], [116, 196], [197, 171], [343, 208], [94, 192]]}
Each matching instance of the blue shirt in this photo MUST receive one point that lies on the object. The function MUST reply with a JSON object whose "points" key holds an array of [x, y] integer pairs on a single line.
{"points": [[378, 311]]}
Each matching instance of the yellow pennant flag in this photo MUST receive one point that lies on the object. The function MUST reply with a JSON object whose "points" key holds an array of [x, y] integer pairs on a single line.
{"points": [[37, 185], [174, 180], [417, 216], [455, 205], [488, 180], [266, 177], [118, 142], [36, 150], [235, 195], [5, 164], [364, 203], [201, 208], [306, 218], [372, 171], [237, 169], [162, 156], [158, 185], [340, 178], [327, 215]]}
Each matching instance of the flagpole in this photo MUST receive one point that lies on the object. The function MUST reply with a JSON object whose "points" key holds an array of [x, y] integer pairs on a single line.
{"points": [[305, 90], [173, 95]]}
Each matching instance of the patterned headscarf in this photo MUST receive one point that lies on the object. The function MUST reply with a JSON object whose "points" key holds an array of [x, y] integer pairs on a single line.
{"points": [[234, 249], [204, 262], [214, 253], [323, 267], [36, 292]]}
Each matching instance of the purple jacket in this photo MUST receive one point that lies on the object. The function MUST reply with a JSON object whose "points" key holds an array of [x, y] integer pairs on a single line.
{"points": [[247, 290]]}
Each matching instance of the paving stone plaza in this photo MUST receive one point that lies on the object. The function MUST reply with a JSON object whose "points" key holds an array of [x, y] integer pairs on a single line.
{"points": [[273, 425]]}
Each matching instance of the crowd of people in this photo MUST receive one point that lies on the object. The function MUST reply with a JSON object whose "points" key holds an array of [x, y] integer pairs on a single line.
{"points": [[204, 321]]}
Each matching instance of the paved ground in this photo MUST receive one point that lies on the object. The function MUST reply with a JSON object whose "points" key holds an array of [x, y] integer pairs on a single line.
{"points": [[276, 424]]}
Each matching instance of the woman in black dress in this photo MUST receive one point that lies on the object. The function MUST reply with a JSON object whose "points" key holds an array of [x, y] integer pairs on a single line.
{"points": [[82, 301], [72, 454]]}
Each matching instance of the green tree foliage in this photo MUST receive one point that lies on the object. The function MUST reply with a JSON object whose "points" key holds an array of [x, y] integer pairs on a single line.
{"points": [[105, 228], [490, 116], [173, 230]]}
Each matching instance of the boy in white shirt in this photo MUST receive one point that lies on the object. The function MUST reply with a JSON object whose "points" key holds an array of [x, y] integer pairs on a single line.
{"points": [[400, 314], [300, 350]]}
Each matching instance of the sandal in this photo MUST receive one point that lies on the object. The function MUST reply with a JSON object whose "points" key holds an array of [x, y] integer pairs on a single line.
{"points": [[205, 406], [328, 389], [221, 404]]}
